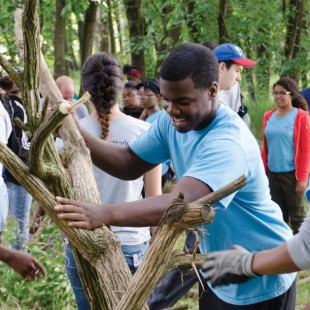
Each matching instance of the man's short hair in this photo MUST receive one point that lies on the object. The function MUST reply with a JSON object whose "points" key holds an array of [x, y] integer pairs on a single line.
{"points": [[193, 61]]}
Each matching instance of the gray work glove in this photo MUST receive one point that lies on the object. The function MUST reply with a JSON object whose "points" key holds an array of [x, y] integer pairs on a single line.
{"points": [[230, 266]]}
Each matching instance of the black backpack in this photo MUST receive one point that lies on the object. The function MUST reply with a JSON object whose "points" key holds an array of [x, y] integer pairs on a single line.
{"points": [[18, 141]]}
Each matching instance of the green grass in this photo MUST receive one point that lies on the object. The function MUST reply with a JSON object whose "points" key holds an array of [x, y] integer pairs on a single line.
{"points": [[50, 293]]}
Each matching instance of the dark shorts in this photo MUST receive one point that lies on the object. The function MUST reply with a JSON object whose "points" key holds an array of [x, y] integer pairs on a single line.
{"points": [[209, 301]]}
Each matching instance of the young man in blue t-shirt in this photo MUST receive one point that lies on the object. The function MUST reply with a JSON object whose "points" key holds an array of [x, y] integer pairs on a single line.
{"points": [[209, 146]]}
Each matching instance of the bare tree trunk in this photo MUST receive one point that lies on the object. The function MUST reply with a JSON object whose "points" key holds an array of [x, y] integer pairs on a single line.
{"points": [[111, 30], [296, 12], [59, 41], [223, 34], [135, 26], [103, 29], [293, 34], [89, 26]]}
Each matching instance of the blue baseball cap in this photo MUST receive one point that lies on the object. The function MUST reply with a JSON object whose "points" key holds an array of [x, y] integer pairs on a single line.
{"points": [[232, 52]]}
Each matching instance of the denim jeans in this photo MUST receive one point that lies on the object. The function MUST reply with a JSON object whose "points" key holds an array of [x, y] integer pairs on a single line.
{"points": [[4, 206], [20, 204], [133, 255]]}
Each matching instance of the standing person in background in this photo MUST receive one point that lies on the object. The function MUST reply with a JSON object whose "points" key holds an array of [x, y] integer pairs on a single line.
{"points": [[5, 131], [66, 87], [102, 78], [233, 96], [286, 150], [306, 94], [19, 198], [132, 73], [132, 104], [149, 94], [231, 62]]}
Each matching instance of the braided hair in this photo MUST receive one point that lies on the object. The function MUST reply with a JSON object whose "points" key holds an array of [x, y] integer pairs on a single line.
{"points": [[102, 78], [298, 101]]}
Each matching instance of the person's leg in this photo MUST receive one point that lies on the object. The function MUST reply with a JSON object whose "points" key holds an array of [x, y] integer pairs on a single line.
{"points": [[295, 201], [286, 301], [4, 207], [134, 255], [277, 194], [76, 284], [20, 204]]}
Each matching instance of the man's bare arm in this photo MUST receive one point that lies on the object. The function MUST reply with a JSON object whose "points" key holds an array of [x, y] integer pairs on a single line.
{"points": [[117, 160], [145, 212]]}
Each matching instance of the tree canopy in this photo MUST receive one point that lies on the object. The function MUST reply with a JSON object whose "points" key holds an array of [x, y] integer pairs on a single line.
{"points": [[142, 32]]}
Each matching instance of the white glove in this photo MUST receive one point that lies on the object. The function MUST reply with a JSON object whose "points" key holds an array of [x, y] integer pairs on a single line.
{"points": [[230, 266]]}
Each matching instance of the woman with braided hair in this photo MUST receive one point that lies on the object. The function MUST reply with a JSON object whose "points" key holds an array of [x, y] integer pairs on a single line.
{"points": [[102, 78], [286, 150]]}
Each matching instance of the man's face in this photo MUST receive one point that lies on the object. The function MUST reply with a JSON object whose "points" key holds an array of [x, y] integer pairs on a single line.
{"points": [[67, 93], [131, 99], [189, 108], [229, 77]]}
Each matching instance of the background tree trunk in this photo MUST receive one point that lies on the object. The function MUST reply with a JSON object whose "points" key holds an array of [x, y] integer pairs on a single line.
{"points": [[223, 34], [88, 34], [60, 41], [136, 32]]}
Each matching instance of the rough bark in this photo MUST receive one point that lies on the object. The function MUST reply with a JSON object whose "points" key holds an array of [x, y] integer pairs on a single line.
{"points": [[59, 40], [223, 34], [296, 11], [98, 250], [135, 26], [89, 29]]}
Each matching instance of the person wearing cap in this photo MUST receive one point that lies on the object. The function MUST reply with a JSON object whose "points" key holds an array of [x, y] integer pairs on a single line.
{"points": [[132, 105], [210, 146], [132, 73], [231, 62]]}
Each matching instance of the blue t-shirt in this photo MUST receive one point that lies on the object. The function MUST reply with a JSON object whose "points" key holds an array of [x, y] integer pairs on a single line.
{"points": [[279, 134], [217, 155]]}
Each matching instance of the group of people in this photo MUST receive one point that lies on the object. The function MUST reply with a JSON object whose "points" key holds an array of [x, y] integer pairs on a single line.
{"points": [[208, 145]]}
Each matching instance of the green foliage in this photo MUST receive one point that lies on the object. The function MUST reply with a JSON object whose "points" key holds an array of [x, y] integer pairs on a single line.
{"points": [[52, 292]]}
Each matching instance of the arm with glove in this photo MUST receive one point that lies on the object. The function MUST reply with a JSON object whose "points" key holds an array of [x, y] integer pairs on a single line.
{"points": [[237, 265]]}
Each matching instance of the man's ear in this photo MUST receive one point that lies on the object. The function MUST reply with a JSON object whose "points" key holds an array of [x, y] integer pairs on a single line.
{"points": [[213, 90], [222, 67]]}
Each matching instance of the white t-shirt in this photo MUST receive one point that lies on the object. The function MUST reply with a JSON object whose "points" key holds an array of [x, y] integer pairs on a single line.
{"points": [[122, 130], [5, 131]]}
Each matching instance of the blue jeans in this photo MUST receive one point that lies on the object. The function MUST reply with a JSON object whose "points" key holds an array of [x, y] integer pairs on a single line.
{"points": [[20, 204], [133, 255], [4, 206]]}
